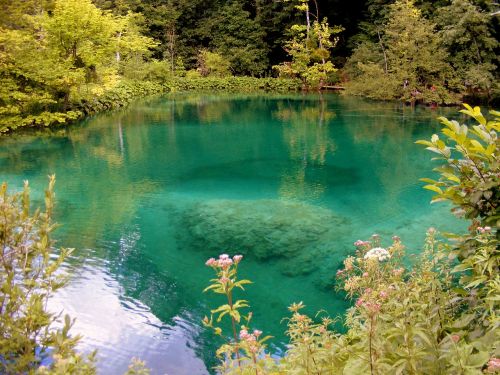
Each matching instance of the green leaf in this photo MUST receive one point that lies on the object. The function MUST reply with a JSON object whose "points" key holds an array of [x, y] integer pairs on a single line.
{"points": [[433, 188]]}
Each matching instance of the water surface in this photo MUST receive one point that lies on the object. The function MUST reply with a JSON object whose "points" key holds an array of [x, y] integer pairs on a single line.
{"points": [[148, 193]]}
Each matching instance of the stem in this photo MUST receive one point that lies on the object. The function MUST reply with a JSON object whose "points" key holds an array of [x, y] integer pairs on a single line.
{"points": [[370, 337], [233, 323], [383, 51], [255, 364]]}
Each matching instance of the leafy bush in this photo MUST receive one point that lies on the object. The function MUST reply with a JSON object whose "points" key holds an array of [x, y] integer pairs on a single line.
{"points": [[29, 275], [439, 316], [234, 84], [212, 64]]}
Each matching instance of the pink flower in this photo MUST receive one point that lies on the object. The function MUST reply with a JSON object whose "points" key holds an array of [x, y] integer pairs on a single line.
{"points": [[493, 364], [487, 229], [360, 243], [257, 333], [224, 280], [243, 334], [368, 290], [237, 258], [383, 294], [431, 230], [398, 271], [396, 239], [224, 261], [359, 302], [365, 274], [455, 338], [340, 272], [211, 262]]}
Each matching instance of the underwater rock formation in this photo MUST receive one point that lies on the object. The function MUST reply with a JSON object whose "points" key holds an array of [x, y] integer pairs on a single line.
{"points": [[296, 232]]}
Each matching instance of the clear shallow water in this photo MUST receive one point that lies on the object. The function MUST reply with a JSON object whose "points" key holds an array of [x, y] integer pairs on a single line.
{"points": [[148, 193]]}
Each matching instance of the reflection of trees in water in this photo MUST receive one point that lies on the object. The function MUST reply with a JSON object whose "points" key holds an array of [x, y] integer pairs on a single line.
{"points": [[306, 132], [386, 135]]}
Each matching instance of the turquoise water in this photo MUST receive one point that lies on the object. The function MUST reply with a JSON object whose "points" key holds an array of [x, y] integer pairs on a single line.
{"points": [[148, 193]]}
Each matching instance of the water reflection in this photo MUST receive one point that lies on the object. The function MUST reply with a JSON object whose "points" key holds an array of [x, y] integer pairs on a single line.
{"points": [[305, 130], [123, 327]]}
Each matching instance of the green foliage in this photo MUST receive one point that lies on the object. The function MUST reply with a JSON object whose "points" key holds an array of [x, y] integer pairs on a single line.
{"points": [[194, 82], [406, 64], [469, 176], [465, 31], [439, 316], [52, 61], [309, 49], [29, 276], [212, 64], [238, 37], [422, 52]]}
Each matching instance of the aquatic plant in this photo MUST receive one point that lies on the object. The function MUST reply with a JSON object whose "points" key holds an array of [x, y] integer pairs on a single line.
{"points": [[264, 229]]}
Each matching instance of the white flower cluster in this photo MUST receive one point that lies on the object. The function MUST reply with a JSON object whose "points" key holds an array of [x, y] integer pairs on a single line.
{"points": [[379, 253]]}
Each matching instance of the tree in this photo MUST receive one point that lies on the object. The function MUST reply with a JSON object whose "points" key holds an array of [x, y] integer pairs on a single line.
{"points": [[236, 35], [465, 31], [212, 64], [410, 63], [310, 50], [51, 60]]}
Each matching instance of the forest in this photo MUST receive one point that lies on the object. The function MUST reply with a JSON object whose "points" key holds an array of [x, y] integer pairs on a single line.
{"points": [[64, 59]]}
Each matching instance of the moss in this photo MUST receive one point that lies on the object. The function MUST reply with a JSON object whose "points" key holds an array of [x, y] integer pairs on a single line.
{"points": [[296, 233]]}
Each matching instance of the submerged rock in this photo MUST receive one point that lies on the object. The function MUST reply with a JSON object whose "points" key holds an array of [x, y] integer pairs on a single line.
{"points": [[296, 232]]}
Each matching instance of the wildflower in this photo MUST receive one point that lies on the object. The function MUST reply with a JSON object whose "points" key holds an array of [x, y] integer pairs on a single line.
{"points": [[340, 272], [244, 334], [372, 307], [455, 338], [396, 239], [487, 229], [493, 365], [481, 229], [398, 271], [365, 274], [224, 280], [211, 262], [378, 253], [383, 294], [237, 258], [360, 302], [348, 263], [224, 262], [257, 333], [375, 236], [431, 231]]}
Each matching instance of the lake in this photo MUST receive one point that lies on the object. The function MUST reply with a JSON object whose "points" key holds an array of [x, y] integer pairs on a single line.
{"points": [[148, 193]]}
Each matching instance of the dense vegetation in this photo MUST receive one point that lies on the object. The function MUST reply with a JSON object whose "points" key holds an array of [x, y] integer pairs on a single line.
{"points": [[63, 59], [437, 316]]}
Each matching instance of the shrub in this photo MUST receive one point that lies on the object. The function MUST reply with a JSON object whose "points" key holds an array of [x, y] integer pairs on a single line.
{"points": [[29, 275]]}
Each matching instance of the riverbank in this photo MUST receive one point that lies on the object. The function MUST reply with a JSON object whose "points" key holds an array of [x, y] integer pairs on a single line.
{"points": [[126, 91]]}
